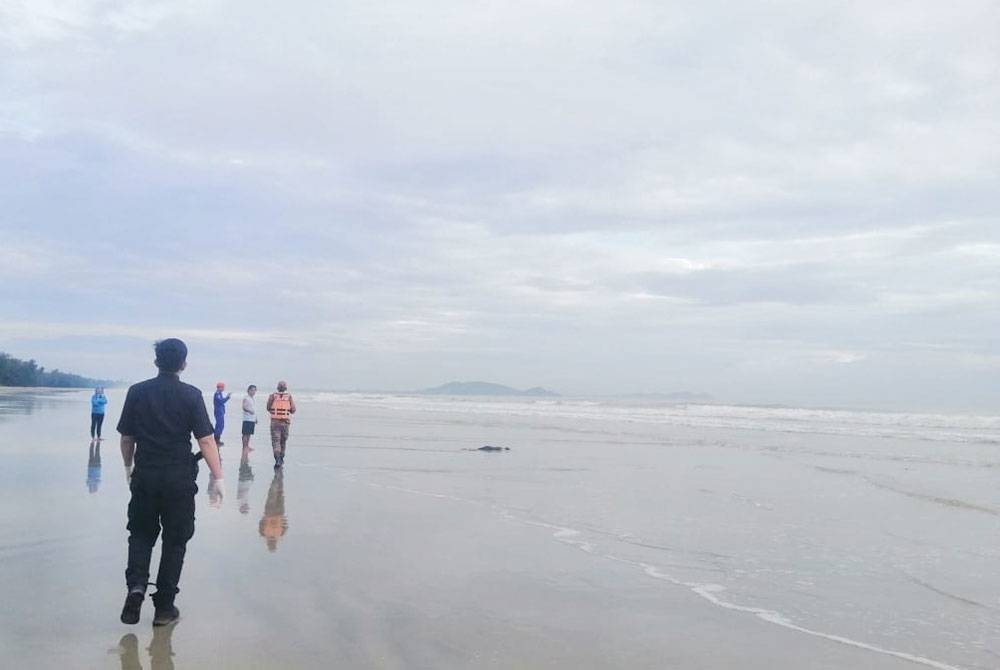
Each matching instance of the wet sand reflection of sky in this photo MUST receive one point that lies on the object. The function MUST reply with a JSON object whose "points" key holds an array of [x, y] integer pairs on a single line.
{"points": [[16, 403]]}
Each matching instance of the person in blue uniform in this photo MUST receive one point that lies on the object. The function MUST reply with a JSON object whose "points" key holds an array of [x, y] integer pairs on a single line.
{"points": [[219, 400]]}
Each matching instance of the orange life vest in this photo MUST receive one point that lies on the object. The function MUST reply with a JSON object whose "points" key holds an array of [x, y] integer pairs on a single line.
{"points": [[281, 407]]}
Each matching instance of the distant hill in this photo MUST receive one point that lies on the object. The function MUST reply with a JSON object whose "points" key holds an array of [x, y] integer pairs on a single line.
{"points": [[15, 372], [484, 388]]}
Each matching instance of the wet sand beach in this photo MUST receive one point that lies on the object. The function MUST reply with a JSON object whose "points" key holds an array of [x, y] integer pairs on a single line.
{"points": [[610, 536]]}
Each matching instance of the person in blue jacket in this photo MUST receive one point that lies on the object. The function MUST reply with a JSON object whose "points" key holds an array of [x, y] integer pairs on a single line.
{"points": [[220, 399], [98, 402]]}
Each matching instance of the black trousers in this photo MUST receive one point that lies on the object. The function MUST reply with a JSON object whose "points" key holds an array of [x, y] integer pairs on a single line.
{"points": [[96, 421], [161, 498]]}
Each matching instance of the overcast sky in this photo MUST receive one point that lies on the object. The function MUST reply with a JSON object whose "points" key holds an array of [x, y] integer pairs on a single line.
{"points": [[791, 202]]}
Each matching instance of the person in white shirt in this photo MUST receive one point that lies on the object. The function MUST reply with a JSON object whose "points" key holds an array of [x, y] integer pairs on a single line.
{"points": [[249, 418]]}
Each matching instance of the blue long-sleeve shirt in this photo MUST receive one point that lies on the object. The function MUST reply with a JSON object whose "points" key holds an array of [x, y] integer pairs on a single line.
{"points": [[97, 403], [220, 401]]}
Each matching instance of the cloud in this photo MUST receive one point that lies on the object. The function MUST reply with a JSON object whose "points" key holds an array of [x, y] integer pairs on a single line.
{"points": [[61, 329], [27, 24], [639, 196]]}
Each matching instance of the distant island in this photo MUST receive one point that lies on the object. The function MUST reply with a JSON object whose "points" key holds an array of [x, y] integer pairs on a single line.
{"points": [[15, 372], [484, 388]]}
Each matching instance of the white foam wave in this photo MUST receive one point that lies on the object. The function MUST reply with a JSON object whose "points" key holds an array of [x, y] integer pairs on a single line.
{"points": [[961, 428]]}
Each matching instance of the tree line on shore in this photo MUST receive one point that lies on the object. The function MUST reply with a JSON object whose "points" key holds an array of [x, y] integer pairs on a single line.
{"points": [[15, 372]]}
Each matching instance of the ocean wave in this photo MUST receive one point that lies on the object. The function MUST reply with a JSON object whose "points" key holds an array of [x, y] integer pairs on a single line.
{"points": [[959, 428]]}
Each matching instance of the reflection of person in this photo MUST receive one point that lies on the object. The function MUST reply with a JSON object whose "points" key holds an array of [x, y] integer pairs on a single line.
{"points": [[219, 400], [98, 402], [94, 466], [161, 651], [274, 523], [128, 652], [249, 417], [281, 407], [243, 485], [157, 420]]}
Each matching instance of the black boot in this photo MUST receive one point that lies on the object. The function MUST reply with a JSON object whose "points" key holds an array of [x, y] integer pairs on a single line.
{"points": [[165, 616], [165, 613], [132, 607]]}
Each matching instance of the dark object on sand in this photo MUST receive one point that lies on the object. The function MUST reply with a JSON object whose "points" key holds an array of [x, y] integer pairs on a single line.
{"points": [[487, 447]]}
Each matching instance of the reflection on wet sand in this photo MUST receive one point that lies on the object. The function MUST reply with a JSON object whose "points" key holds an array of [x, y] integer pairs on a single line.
{"points": [[16, 402], [94, 466], [161, 651], [243, 485], [274, 523]]}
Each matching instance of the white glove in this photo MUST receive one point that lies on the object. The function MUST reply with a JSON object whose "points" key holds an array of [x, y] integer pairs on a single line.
{"points": [[216, 491]]}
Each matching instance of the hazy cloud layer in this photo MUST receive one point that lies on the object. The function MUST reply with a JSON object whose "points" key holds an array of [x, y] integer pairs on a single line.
{"points": [[777, 202]]}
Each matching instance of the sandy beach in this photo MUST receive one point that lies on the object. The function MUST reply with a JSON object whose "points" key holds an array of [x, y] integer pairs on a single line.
{"points": [[609, 536]]}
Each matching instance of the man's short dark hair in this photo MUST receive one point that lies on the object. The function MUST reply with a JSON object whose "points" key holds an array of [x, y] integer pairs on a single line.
{"points": [[170, 354], [252, 386]]}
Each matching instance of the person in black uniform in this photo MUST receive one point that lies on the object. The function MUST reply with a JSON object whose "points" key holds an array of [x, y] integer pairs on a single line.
{"points": [[157, 421]]}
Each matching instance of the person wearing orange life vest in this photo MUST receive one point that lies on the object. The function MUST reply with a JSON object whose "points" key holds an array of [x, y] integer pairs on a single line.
{"points": [[280, 406]]}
